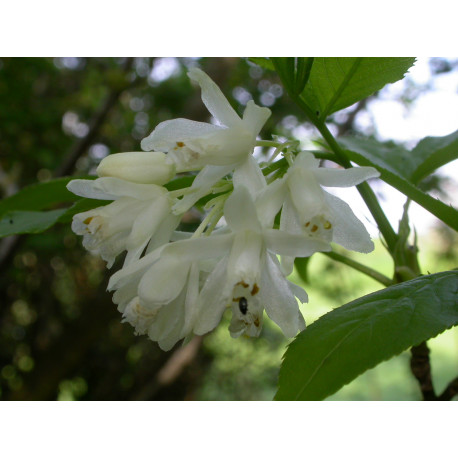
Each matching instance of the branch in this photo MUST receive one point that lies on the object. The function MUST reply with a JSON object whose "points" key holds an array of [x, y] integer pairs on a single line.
{"points": [[421, 369], [450, 391]]}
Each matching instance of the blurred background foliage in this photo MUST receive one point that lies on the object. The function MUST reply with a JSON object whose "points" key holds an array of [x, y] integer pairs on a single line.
{"points": [[60, 335]]}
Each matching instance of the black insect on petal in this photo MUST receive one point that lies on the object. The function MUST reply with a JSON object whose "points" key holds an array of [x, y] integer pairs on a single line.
{"points": [[243, 305]]}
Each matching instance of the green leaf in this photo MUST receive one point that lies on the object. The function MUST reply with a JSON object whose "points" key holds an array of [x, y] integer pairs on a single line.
{"points": [[432, 153], [180, 183], [293, 71], [28, 222], [302, 74], [338, 82], [39, 196], [346, 342], [263, 62], [301, 265], [397, 166]]}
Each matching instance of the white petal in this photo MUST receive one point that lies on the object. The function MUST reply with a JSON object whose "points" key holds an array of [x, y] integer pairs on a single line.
{"points": [[306, 193], [285, 244], [123, 276], [166, 328], [348, 230], [166, 134], [213, 299], [163, 281], [202, 185], [279, 302], [344, 178], [240, 212], [249, 174], [214, 99], [227, 146], [299, 292], [254, 117], [289, 222], [147, 222], [164, 232], [110, 188], [200, 248], [269, 201], [139, 167], [289, 219], [192, 294], [88, 188], [244, 259], [306, 160]]}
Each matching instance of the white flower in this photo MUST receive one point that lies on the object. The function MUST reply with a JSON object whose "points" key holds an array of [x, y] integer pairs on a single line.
{"points": [[216, 149], [138, 167], [163, 322], [139, 212], [158, 293], [308, 209], [247, 276], [193, 145]]}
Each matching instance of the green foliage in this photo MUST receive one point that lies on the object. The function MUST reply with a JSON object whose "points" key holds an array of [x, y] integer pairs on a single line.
{"points": [[339, 82], [359, 335], [398, 168], [263, 62], [39, 196], [432, 153], [293, 71], [19, 213], [28, 222], [302, 265]]}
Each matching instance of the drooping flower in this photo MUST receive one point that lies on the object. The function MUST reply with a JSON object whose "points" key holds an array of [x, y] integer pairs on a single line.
{"points": [[216, 149], [138, 213], [164, 322], [158, 293], [308, 209], [247, 276], [193, 145]]}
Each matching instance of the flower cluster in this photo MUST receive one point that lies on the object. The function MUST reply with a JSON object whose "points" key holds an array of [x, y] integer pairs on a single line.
{"points": [[173, 284]]}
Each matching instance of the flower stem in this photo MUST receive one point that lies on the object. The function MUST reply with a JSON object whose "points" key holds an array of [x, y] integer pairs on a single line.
{"points": [[360, 267]]}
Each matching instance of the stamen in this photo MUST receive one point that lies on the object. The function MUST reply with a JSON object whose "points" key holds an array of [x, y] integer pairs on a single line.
{"points": [[314, 228], [255, 290], [327, 225], [180, 144], [245, 285], [88, 220]]}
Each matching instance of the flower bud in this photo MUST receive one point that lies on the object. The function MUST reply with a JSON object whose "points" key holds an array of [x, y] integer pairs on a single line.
{"points": [[152, 167]]}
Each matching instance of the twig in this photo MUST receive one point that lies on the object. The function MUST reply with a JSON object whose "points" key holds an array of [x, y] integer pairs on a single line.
{"points": [[377, 276], [450, 391], [421, 369]]}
